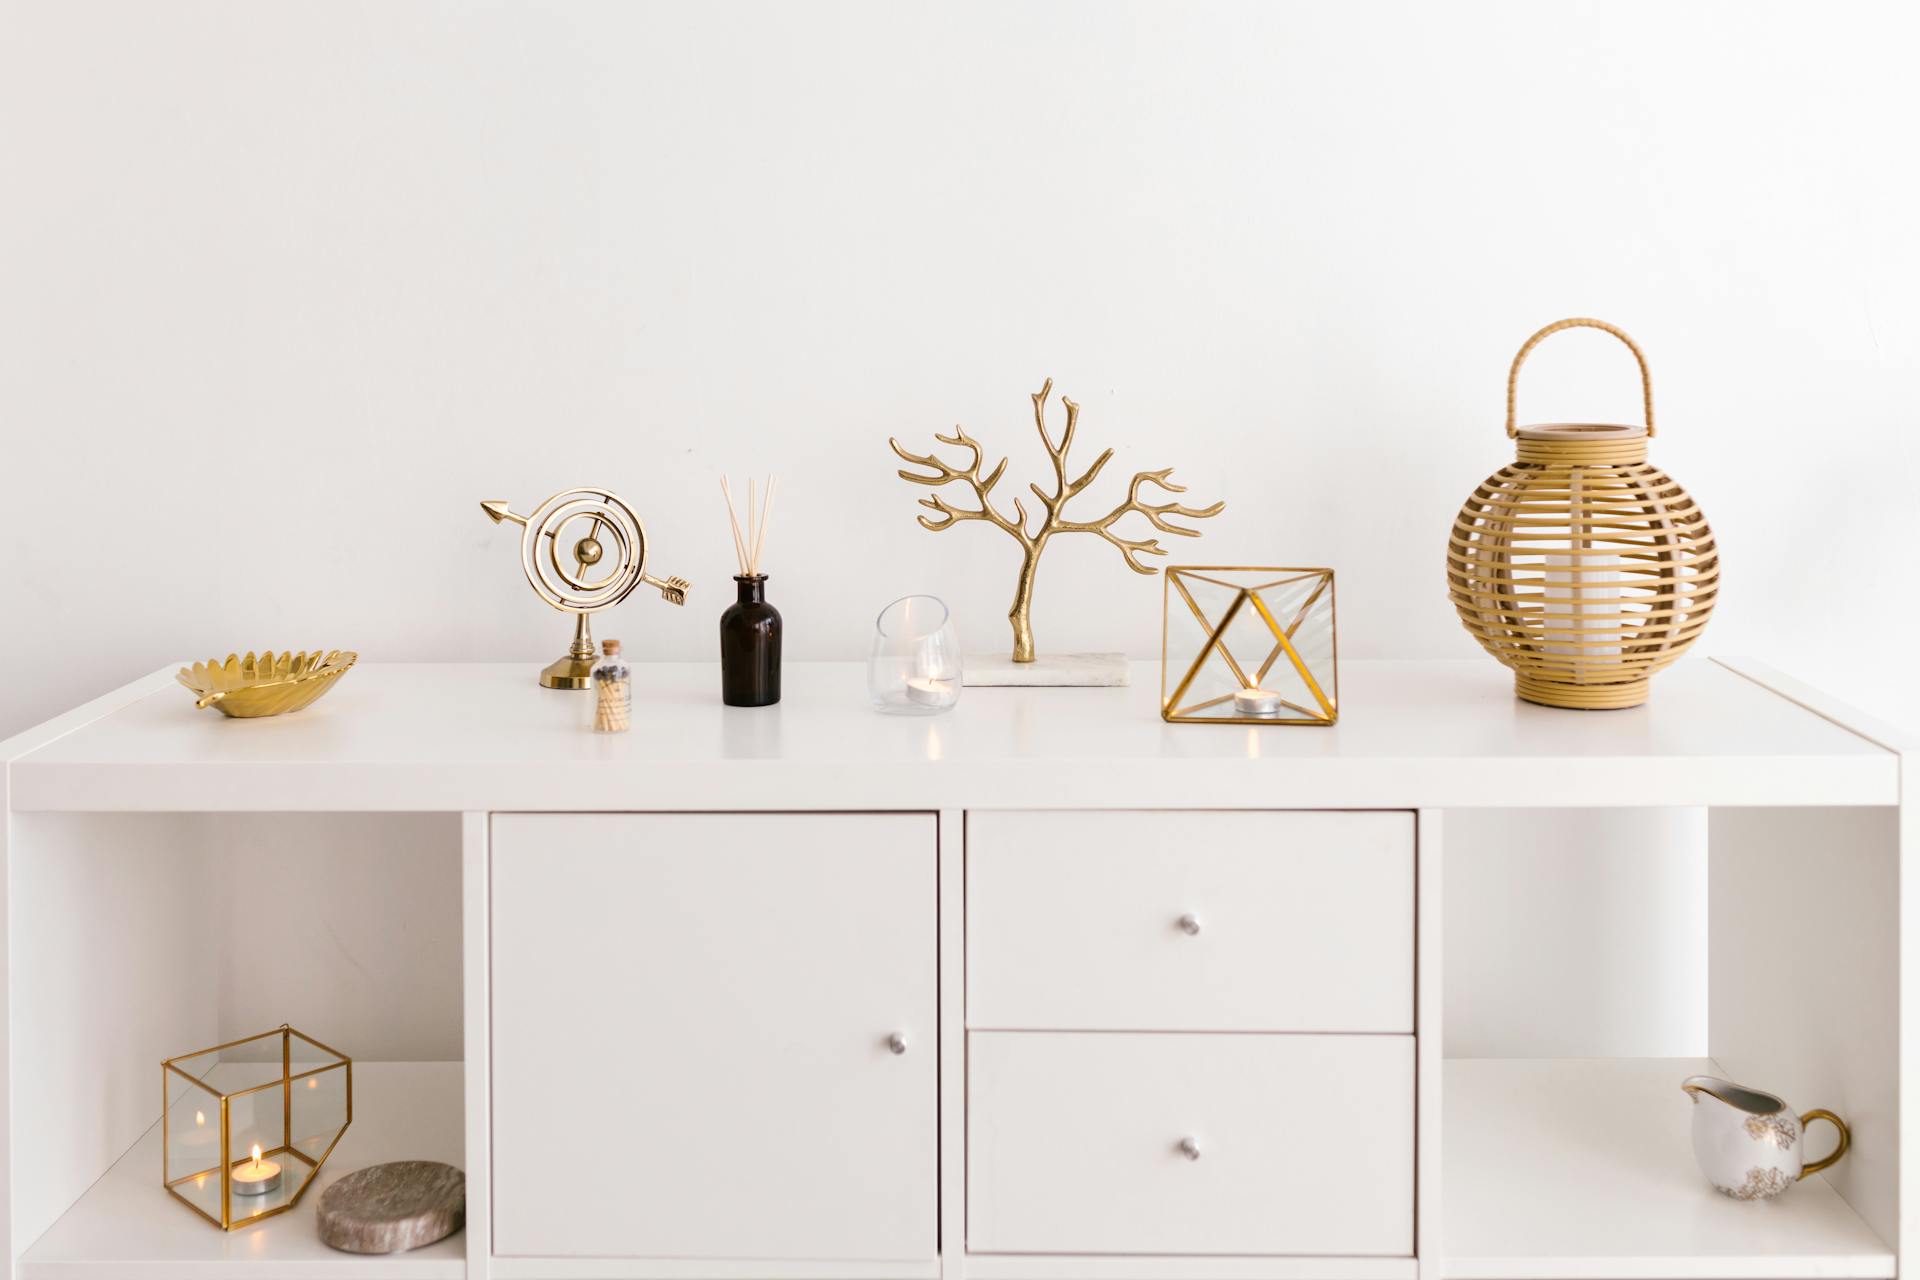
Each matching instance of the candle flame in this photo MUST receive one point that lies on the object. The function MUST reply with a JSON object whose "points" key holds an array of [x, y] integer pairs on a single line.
{"points": [[199, 1117], [256, 1155]]}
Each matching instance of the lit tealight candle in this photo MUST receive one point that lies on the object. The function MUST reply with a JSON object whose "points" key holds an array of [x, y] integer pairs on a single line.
{"points": [[256, 1177], [929, 692], [1256, 702]]}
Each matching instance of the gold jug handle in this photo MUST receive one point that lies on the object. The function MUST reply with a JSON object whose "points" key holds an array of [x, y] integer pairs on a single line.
{"points": [[1846, 1139]]}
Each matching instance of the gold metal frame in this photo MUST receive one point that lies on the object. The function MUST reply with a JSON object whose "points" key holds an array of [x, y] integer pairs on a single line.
{"points": [[571, 591], [1326, 710], [227, 1164]]}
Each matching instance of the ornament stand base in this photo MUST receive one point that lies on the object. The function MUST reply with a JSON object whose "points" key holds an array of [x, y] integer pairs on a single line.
{"points": [[575, 671], [1056, 670], [567, 673], [1581, 697]]}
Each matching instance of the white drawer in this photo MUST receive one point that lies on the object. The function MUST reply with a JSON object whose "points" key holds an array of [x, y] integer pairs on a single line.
{"points": [[1305, 1144], [1303, 921]]}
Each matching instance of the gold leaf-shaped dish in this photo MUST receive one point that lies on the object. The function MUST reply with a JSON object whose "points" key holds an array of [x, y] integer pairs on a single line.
{"points": [[267, 685]]}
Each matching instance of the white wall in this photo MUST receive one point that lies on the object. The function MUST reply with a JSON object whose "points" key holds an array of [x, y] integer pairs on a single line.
{"points": [[349, 925], [1576, 934], [418, 255], [286, 289]]}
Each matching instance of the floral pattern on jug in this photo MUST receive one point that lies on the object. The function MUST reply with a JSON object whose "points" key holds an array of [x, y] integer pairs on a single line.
{"points": [[1748, 1142], [1781, 1130]]}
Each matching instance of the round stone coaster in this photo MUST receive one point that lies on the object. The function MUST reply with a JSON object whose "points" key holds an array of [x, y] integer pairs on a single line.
{"points": [[389, 1207]]}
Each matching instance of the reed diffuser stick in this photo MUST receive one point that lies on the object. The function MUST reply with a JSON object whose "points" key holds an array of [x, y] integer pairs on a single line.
{"points": [[760, 539], [747, 546], [739, 546]]}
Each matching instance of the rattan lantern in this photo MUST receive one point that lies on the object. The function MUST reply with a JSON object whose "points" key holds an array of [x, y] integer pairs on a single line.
{"points": [[1580, 565]]}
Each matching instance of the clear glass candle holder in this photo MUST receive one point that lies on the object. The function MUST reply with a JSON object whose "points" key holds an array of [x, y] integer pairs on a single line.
{"points": [[248, 1124], [915, 667]]}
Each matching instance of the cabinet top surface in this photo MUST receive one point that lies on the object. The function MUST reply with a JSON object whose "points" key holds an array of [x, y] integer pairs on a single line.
{"points": [[484, 736]]}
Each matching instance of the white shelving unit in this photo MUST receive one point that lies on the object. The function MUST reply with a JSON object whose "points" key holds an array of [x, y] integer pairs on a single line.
{"points": [[126, 819]]}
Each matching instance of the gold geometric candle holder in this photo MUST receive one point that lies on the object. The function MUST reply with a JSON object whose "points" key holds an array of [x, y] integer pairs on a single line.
{"points": [[1249, 646], [245, 1125]]}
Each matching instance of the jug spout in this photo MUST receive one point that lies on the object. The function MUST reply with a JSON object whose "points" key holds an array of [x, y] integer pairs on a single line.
{"points": [[1738, 1096]]}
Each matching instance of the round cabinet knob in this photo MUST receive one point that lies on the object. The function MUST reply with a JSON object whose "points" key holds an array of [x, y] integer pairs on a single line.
{"points": [[1189, 924], [897, 1043], [1190, 1148]]}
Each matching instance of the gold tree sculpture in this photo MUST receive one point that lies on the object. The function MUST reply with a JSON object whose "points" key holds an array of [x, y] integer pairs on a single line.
{"points": [[1053, 507]]}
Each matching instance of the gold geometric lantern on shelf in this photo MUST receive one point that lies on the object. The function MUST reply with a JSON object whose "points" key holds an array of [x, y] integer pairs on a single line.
{"points": [[1248, 646], [246, 1125], [1580, 565]]}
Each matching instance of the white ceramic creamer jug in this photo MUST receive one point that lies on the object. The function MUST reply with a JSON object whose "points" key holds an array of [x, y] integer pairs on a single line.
{"points": [[1749, 1143]]}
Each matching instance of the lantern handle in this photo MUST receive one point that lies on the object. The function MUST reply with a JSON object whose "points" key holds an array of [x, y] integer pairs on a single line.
{"points": [[1578, 322]]}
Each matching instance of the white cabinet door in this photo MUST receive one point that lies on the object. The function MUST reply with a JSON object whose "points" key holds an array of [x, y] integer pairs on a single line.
{"points": [[1189, 1144], [1202, 921], [691, 1022]]}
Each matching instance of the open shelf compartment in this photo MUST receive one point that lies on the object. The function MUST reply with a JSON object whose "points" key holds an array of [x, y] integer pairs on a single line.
{"points": [[125, 1227], [172, 931], [1583, 1169], [1779, 943]]}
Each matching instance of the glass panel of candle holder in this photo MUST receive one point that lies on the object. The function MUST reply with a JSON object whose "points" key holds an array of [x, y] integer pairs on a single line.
{"points": [[193, 1139], [260, 1119], [318, 1110]]}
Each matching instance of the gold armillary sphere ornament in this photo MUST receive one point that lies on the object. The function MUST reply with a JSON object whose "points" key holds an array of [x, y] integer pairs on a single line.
{"points": [[1053, 517], [567, 535]]}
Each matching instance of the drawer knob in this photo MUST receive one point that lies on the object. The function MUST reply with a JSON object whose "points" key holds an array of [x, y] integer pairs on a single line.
{"points": [[897, 1043], [1189, 924], [1189, 1148]]}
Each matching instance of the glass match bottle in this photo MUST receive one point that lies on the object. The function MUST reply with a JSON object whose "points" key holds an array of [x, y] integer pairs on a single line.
{"points": [[612, 691]]}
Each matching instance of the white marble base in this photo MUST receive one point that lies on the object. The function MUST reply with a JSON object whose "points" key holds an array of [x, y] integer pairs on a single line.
{"points": [[1102, 670]]}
